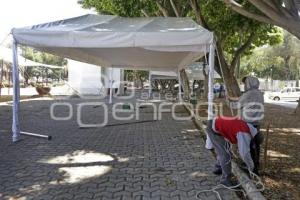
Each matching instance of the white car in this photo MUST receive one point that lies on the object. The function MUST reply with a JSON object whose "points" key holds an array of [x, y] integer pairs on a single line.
{"points": [[288, 93]]}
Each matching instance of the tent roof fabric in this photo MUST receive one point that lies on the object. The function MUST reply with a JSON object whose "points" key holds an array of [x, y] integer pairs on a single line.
{"points": [[144, 43], [160, 75]]}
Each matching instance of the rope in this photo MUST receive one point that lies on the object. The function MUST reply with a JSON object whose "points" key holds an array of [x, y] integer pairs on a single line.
{"points": [[1, 43], [227, 100], [254, 178]]}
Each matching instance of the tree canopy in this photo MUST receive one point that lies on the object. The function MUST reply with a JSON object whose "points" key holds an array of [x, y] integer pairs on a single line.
{"points": [[42, 57], [280, 62], [237, 35], [283, 13]]}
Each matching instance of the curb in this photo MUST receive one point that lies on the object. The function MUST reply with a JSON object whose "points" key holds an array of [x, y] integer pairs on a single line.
{"points": [[247, 184]]}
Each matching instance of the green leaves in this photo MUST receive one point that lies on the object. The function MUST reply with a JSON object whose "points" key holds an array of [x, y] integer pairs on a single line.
{"points": [[280, 61], [42, 57], [126, 8], [231, 28]]}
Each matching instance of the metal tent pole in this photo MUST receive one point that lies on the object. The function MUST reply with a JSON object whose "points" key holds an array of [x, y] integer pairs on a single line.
{"points": [[179, 86], [210, 99], [150, 85], [1, 77], [16, 99], [16, 94], [110, 85]]}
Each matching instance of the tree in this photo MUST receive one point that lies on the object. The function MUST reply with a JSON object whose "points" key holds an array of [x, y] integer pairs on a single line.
{"points": [[236, 35], [280, 62], [41, 57], [290, 53], [282, 13], [137, 76], [30, 72]]}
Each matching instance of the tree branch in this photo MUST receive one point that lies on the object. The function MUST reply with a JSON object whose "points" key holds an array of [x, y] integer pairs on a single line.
{"points": [[291, 7], [162, 9], [145, 13], [199, 17], [278, 7], [267, 10], [290, 24], [271, 4], [239, 9], [175, 9], [241, 50]]}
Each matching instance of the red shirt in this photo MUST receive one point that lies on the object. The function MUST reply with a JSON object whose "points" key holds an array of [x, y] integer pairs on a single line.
{"points": [[228, 127]]}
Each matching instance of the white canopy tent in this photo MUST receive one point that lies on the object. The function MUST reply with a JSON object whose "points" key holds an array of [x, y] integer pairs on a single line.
{"points": [[166, 44]]}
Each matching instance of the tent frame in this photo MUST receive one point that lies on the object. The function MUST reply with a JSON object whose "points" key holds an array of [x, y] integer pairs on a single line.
{"points": [[16, 91]]}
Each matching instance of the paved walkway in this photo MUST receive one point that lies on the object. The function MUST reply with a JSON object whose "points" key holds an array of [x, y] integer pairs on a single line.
{"points": [[162, 159]]}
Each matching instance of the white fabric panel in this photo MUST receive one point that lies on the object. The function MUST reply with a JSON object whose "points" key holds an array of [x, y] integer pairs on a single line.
{"points": [[84, 78], [113, 74], [129, 58]]}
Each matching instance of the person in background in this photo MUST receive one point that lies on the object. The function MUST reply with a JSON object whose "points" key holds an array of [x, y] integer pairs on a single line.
{"points": [[221, 92], [251, 101], [251, 105]]}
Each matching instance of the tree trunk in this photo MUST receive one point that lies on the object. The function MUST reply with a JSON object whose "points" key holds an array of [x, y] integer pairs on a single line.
{"points": [[287, 66], [142, 82], [185, 84], [297, 110], [231, 84]]}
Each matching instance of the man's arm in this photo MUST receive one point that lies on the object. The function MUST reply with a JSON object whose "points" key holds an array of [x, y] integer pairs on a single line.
{"points": [[233, 98], [244, 140]]}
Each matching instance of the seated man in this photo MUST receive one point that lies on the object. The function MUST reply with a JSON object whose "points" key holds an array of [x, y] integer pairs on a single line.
{"points": [[223, 131]]}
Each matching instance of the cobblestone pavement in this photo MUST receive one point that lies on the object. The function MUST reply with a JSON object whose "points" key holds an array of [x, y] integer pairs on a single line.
{"points": [[163, 159]]}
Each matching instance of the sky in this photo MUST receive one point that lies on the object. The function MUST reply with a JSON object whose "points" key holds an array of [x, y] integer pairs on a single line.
{"points": [[19, 13]]}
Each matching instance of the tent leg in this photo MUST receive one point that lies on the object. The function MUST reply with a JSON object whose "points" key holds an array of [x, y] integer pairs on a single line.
{"points": [[16, 94], [1, 77], [210, 116], [110, 86], [179, 86], [150, 86]]}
